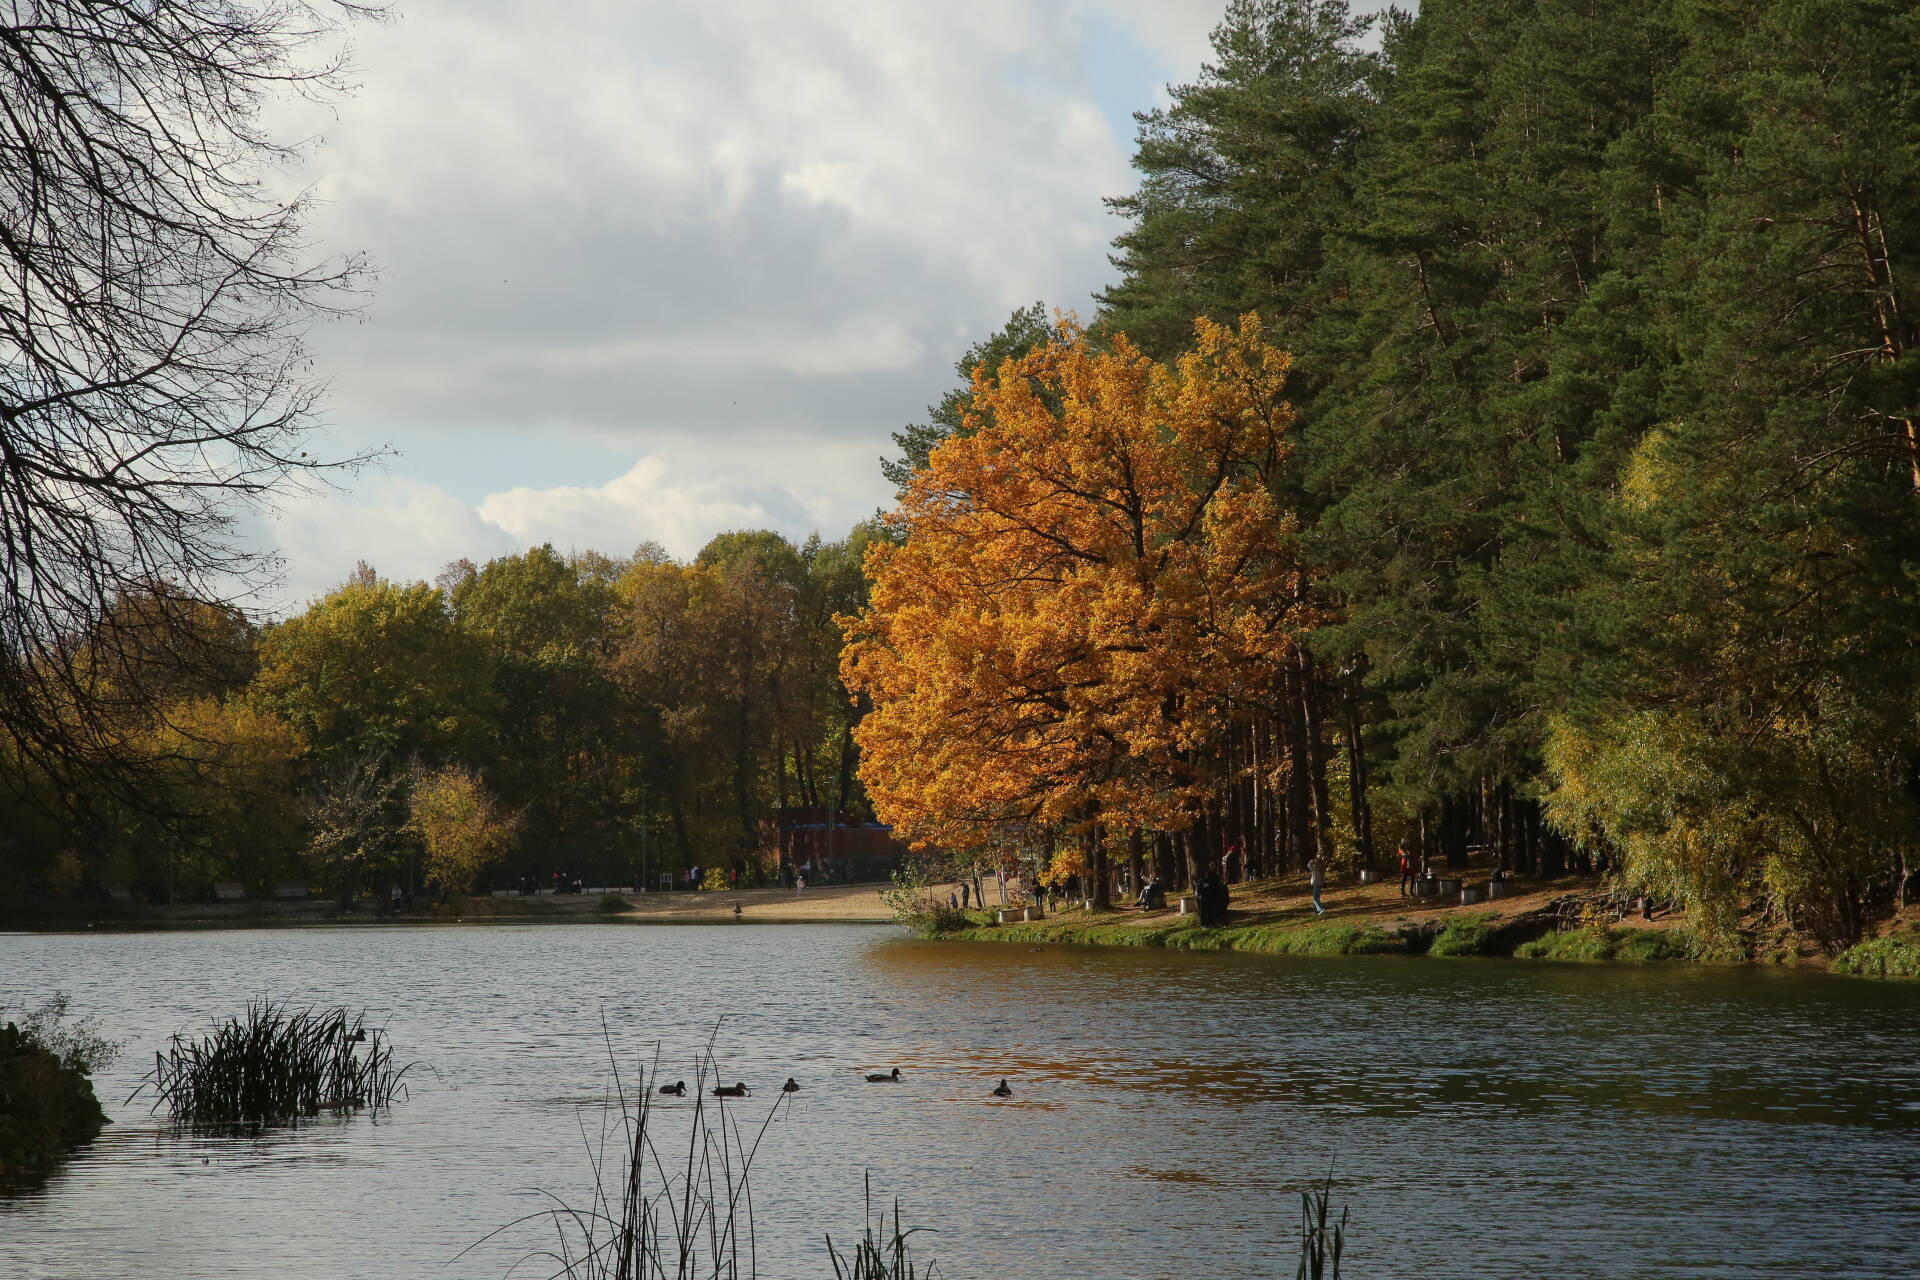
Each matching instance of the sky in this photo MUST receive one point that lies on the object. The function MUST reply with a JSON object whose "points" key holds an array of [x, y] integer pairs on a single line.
{"points": [[655, 270]]}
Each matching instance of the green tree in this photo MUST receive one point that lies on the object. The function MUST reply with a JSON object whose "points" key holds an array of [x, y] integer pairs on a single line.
{"points": [[545, 623], [376, 670]]}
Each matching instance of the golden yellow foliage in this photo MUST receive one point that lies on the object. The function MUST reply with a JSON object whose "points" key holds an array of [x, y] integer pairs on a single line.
{"points": [[1082, 592], [460, 827]]}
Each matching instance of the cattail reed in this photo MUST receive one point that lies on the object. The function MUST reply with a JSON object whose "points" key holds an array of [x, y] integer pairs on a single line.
{"points": [[272, 1065]]}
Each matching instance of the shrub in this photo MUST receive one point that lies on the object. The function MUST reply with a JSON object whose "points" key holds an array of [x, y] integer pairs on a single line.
{"points": [[1880, 958], [614, 903], [940, 920], [47, 1104]]}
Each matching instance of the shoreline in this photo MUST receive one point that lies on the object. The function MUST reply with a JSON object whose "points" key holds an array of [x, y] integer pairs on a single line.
{"points": [[1275, 917], [826, 904]]}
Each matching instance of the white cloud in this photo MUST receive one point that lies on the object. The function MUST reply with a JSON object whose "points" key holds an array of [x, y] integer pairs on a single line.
{"points": [[642, 505], [742, 240], [405, 528], [409, 529]]}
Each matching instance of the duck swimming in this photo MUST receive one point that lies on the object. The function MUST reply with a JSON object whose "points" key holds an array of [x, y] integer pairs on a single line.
{"points": [[735, 1090], [887, 1078], [1003, 1091], [791, 1086], [678, 1088]]}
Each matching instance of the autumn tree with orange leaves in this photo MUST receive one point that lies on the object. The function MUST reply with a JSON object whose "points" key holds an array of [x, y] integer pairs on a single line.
{"points": [[1086, 590]]}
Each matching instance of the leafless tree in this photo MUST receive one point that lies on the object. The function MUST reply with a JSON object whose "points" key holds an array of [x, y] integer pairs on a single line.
{"points": [[154, 295]]}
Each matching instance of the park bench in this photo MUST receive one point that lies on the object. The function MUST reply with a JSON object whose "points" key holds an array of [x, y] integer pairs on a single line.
{"points": [[1189, 905], [1019, 915], [1472, 893], [290, 891], [229, 891]]}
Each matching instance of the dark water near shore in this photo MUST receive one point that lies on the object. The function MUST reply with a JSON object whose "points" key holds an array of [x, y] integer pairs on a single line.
{"points": [[1483, 1118]]}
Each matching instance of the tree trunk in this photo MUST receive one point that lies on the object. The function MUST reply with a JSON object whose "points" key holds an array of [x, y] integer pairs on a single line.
{"points": [[1299, 780], [1357, 784], [1316, 759]]}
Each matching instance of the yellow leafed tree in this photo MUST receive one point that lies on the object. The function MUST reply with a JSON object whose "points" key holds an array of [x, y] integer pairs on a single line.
{"points": [[1080, 593]]}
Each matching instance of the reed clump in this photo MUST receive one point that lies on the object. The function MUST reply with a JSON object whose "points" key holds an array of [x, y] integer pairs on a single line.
{"points": [[883, 1253], [275, 1064]]}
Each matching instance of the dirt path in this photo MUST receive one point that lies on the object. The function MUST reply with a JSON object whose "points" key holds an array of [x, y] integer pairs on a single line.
{"points": [[819, 904]]}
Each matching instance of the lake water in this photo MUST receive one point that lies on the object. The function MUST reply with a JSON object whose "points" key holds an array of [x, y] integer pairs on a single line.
{"points": [[1490, 1119]]}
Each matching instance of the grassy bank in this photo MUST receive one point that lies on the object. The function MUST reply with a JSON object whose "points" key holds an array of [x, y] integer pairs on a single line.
{"points": [[1889, 957], [1272, 918], [1465, 936]]}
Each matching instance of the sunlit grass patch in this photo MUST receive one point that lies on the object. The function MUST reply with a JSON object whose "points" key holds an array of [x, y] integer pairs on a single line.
{"points": [[1464, 936], [1880, 958]]}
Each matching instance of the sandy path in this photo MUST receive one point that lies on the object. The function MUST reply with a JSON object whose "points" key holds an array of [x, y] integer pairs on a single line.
{"points": [[821, 903]]}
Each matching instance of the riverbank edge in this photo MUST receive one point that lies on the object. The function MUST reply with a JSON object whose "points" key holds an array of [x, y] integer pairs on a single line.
{"points": [[839, 904], [1887, 958], [447, 922]]}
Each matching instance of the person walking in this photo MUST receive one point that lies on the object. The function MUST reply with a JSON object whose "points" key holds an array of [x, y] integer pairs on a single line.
{"points": [[965, 890], [1406, 871], [1317, 880]]}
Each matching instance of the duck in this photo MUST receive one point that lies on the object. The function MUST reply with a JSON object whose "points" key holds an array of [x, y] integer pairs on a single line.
{"points": [[884, 1078], [735, 1090], [1003, 1091], [678, 1088], [791, 1086], [357, 1036]]}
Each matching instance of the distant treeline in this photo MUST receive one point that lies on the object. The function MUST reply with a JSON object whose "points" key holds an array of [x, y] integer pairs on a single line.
{"points": [[535, 714], [1599, 529]]}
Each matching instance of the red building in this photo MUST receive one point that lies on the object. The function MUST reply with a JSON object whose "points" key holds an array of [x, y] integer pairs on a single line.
{"points": [[834, 848]]}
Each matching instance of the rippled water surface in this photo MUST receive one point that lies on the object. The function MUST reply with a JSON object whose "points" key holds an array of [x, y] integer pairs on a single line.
{"points": [[1483, 1118]]}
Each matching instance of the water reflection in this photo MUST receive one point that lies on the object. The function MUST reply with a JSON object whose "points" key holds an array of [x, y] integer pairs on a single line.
{"points": [[1479, 1117]]}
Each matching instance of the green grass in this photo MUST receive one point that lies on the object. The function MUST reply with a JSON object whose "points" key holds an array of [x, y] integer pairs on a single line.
{"points": [[1288, 939], [1880, 958], [1633, 946], [1465, 936]]}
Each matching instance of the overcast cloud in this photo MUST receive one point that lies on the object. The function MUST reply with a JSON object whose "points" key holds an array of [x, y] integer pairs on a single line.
{"points": [[656, 270]]}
